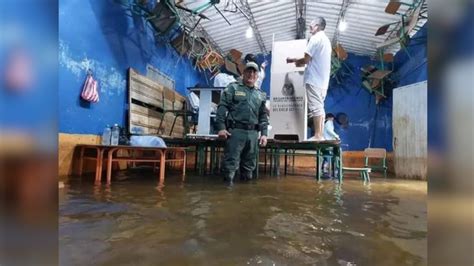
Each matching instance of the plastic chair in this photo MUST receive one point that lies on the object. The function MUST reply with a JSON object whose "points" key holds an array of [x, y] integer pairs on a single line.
{"points": [[378, 153]]}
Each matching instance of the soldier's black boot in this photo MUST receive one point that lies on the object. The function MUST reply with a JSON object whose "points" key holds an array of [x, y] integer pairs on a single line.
{"points": [[246, 176], [229, 177]]}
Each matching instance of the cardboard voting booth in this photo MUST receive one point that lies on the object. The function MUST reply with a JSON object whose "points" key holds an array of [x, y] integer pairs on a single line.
{"points": [[288, 106]]}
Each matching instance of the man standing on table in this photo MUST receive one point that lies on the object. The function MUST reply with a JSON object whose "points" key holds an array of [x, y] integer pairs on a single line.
{"points": [[240, 116], [316, 76]]}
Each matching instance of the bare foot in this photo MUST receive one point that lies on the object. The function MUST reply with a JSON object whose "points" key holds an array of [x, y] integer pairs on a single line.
{"points": [[315, 139]]}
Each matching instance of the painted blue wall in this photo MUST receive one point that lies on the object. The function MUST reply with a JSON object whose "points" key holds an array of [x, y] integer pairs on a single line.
{"points": [[412, 67], [370, 125], [102, 36], [33, 32]]}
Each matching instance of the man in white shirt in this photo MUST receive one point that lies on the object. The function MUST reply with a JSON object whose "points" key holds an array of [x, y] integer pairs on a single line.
{"points": [[317, 57]]}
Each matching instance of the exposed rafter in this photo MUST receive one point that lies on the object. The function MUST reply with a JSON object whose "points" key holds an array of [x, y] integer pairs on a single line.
{"points": [[246, 10], [300, 19], [191, 20], [342, 13]]}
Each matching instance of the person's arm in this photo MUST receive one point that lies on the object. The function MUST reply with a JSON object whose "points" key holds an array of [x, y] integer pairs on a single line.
{"points": [[310, 49], [330, 129], [222, 110], [299, 62], [263, 123]]}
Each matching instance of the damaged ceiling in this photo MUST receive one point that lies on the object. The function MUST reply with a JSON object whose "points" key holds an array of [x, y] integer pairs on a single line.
{"points": [[278, 20]]}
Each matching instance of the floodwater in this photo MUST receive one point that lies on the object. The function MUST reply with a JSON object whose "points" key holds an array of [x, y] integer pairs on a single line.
{"points": [[292, 220]]}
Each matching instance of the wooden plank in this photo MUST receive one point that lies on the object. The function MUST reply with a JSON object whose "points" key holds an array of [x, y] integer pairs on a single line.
{"points": [[235, 55], [375, 152], [231, 67], [340, 52], [392, 7], [380, 74], [153, 92], [168, 105], [137, 109], [135, 77], [168, 94], [146, 120], [145, 99]]}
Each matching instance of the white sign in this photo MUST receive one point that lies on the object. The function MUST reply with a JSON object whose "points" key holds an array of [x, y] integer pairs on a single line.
{"points": [[288, 111]]}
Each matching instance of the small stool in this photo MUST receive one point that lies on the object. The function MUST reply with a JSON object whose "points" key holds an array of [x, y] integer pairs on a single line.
{"points": [[363, 171]]}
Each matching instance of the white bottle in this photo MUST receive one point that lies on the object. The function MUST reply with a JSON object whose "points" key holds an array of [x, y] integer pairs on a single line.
{"points": [[106, 135], [115, 135]]}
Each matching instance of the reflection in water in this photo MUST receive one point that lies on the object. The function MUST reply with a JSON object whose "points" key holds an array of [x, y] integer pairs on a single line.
{"points": [[285, 221]]}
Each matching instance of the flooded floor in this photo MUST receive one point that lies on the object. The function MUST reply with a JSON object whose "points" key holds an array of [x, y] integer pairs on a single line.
{"points": [[290, 220]]}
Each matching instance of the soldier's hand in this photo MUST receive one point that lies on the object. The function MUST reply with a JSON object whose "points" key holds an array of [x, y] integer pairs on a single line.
{"points": [[263, 141], [223, 134], [290, 60]]}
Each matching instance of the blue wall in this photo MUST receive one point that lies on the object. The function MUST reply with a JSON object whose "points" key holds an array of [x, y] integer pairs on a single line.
{"points": [[33, 31], [370, 125], [102, 36], [412, 67]]}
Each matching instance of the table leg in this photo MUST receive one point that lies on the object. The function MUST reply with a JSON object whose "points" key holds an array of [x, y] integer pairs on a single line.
{"points": [[109, 165], [293, 165], [258, 163], [81, 161], [196, 158], [101, 163], [265, 161], [271, 161], [212, 157], [318, 163], [339, 162], [98, 168], [277, 162], [162, 165], [184, 165], [201, 159]]}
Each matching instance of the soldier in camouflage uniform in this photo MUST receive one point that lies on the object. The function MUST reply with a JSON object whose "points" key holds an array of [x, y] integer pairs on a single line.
{"points": [[240, 116]]}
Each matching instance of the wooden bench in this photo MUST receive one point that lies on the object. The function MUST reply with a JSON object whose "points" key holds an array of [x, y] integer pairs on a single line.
{"points": [[363, 171], [133, 154]]}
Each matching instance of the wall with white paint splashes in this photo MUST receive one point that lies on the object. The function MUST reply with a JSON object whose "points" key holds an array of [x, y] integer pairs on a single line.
{"points": [[103, 37]]}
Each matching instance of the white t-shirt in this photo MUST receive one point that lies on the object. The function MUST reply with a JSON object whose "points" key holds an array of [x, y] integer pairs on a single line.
{"points": [[329, 133], [318, 69], [222, 80]]}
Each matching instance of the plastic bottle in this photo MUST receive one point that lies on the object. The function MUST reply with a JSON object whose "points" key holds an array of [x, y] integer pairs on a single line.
{"points": [[106, 135], [115, 135]]}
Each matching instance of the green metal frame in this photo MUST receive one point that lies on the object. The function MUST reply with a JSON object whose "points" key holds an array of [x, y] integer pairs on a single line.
{"points": [[278, 148], [382, 166]]}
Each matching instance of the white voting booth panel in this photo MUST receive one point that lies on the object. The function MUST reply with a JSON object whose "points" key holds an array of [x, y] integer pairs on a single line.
{"points": [[205, 108], [287, 92]]}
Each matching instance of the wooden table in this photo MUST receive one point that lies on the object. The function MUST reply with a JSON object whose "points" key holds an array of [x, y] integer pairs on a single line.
{"points": [[133, 154]]}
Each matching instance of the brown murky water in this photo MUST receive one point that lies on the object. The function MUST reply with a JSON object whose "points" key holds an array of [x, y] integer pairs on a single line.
{"points": [[276, 221]]}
